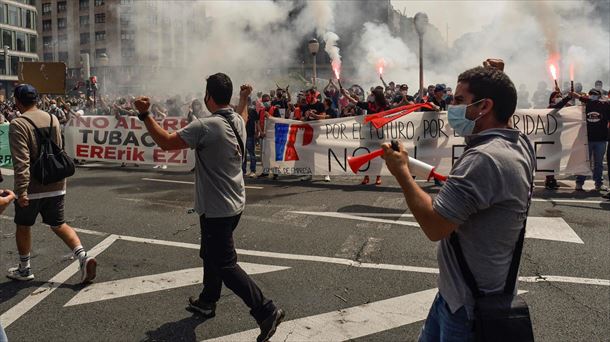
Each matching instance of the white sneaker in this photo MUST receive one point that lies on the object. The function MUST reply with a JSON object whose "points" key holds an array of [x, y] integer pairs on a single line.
{"points": [[252, 175], [156, 166], [601, 188], [18, 273], [87, 270], [327, 178], [163, 167]]}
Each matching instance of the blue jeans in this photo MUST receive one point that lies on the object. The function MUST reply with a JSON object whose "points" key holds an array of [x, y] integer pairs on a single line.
{"points": [[441, 325], [250, 144], [596, 158], [3, 337]]}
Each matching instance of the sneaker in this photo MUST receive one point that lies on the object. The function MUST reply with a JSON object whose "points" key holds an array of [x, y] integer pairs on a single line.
{"points": [[18, 273], [327, 178], [163, 167], [551, 185], [579, 187], [601, 188], [207, 310], [252, 174], [269, 325], [87, 270], [156, 166], [378, 180], [306, 178], [365, 180]]}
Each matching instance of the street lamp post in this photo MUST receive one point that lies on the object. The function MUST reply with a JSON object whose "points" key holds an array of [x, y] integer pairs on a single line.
{"points": [[421, 23], [103, 59], [6, 61], [314, 47]]}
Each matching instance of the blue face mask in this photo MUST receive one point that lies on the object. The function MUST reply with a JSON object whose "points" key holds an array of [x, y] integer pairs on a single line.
{"points": [[458, 120]]}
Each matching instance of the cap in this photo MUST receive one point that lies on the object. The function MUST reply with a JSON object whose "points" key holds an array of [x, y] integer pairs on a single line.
{"points": [[595, 92], [26, 93], [404, 86], [439, 87]]}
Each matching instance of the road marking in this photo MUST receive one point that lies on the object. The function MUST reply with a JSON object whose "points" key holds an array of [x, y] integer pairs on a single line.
{"points": [[7, 172], [557, 200], [190, 183], [12, 314], [340, 261], [90, 232], [350, 323], [551, 228], [560, 279], [355, 217], [546, 228], [153, 283]]}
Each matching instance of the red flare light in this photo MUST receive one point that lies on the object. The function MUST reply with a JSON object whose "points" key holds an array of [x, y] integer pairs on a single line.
{"points": [[336, 65], [553, 70], [380, 66], [571, 72]]}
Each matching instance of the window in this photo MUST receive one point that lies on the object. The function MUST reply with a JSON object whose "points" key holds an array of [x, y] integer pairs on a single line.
{"points": [[83, 4], [125, 21], [84, 38], [100, 36], [33, 48], [99, 52], [20, 39], [84, 20], [126, 2], [127, 35], [7, 38], [99, 3], [61, 6], [47, 56], [47, 25], [2, 65], [62, 40], [61, 23], [2, 15], [13, 15], [46, 8], [47, 42], [100, 18], [14, 65], [63, 56], [28, 19], [128, 52]]}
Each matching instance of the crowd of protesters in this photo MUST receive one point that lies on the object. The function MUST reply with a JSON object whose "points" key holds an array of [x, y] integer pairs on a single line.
{"points": [[335, 101]]}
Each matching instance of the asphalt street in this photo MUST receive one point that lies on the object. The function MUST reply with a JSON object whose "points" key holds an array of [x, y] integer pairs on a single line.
{"points": [[346, 262]]}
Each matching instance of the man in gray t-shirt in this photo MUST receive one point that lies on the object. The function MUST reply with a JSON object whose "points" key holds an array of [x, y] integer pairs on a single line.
{"points": [[220, 197], [484, 201]]}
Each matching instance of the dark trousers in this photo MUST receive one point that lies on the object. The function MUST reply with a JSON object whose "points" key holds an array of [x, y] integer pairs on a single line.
{"points": [[220, 266], [251, 155]]}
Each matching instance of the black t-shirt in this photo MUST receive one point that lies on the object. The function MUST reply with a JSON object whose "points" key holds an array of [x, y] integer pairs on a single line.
{"points": [[252, 119], [318, 107], [598, 114], [441, 104], [398, 98]]}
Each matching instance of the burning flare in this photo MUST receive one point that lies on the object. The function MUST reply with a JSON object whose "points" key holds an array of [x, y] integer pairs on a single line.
{"points": [[336, 65], [553, 70], [571, 72], [380, 66]]}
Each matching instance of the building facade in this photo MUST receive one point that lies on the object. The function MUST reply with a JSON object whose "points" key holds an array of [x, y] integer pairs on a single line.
{"points": [[18, 25], [106, 30]]}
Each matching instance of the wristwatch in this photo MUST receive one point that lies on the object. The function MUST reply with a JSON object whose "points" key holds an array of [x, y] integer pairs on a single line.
{"points": [[143, 116]]}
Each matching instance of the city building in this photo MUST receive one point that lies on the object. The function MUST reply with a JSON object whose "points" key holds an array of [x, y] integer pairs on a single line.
{"points": [[18, 24], [106, 30]]}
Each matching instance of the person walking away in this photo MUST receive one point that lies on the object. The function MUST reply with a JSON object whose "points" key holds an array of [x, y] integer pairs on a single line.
{"points": [[34, 198], [220, 197]]}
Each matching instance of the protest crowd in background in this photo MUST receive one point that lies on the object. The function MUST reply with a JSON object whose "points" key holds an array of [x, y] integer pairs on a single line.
{"points": [[329, 100]]}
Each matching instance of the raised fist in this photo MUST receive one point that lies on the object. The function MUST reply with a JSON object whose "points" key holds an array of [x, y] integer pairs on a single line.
{"points": [[142, 104], [245, 90]]}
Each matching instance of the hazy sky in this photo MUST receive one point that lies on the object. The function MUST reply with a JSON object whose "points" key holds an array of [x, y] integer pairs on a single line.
{"points": [[462, 16]]}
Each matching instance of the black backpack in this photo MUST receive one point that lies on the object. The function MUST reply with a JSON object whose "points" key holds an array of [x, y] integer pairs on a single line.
{"points": [[53, 164]]}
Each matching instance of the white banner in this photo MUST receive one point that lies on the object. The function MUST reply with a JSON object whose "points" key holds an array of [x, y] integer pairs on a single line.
{"points": [[322, 147], [106, 138]]}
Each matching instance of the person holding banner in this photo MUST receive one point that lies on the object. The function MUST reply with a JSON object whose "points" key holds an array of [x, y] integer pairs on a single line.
{"points": [[480, 211], [377, 104], [220, 197]]}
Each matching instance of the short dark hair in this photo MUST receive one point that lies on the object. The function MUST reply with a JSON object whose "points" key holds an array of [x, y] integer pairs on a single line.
{"points": [[220, 88], [491, 83]]}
